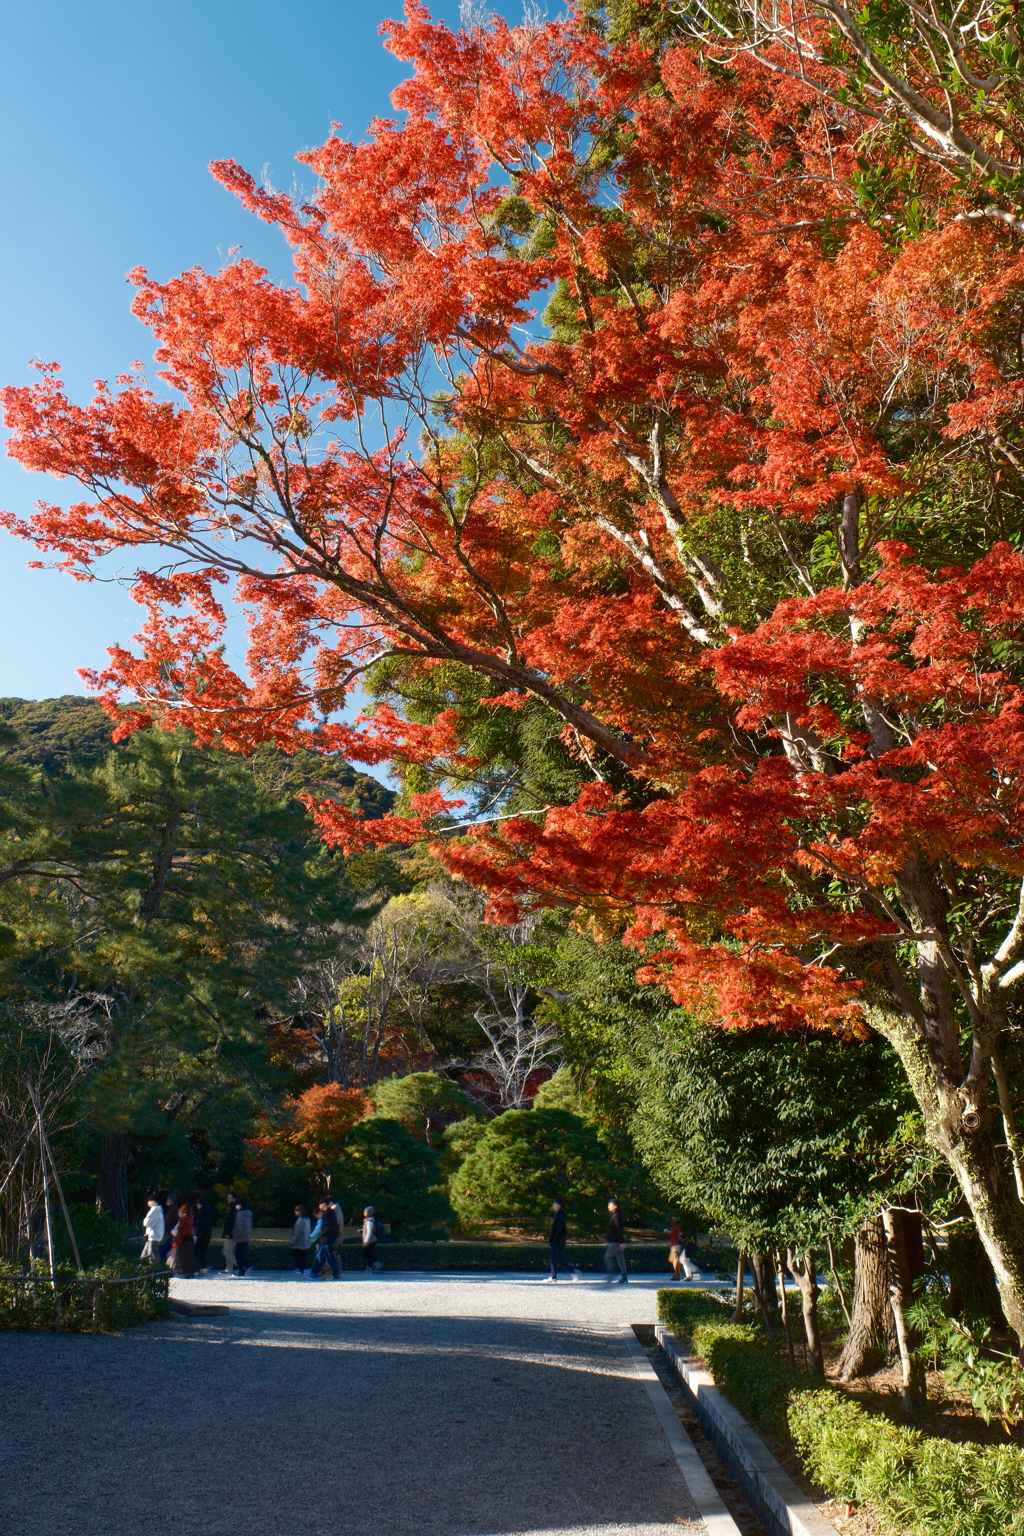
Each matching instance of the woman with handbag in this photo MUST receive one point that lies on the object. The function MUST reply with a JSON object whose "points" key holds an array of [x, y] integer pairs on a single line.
{"points": [[182, 1260]]}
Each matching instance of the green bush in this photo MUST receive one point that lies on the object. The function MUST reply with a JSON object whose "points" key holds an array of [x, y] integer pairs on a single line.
{"points": [[683, 1309], [743, 1362], [525, 1159], [913, 1484], [34, 1306], [749, 1370], [382, 1165]]}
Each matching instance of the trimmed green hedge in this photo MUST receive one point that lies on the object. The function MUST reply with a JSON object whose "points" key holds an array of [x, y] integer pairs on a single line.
{"points": [[641, 1258], [913, 1484], [34, 1306], [683, 1309], [750, 1372]]}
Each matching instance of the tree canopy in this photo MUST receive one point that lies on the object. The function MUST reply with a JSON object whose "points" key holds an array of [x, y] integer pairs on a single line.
{"points": [[738, 524]]}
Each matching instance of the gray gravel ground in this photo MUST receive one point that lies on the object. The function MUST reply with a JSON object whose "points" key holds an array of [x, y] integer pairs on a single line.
{"points": [[428, 1404]]}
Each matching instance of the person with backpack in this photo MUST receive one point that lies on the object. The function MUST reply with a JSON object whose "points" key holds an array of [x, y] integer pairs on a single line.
{"points": [[372, 1231], [170, 1222], [330, 1232], [614, 1252], [557, 1237], [678, 1256]]}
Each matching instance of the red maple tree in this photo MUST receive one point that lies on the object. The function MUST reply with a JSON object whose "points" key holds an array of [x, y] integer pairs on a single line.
{"points": [[741, 517], [313, 1131]]}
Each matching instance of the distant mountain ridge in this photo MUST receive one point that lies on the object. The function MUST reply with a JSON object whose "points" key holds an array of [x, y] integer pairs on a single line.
{"points": [[72, 731]]}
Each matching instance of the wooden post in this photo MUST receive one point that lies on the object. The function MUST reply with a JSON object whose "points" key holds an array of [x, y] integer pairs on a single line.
{"points": [[60, 1193], [46, 1203], [97, 1288]]}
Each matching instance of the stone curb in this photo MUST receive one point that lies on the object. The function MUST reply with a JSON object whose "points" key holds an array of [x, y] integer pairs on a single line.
{"points": [[198, 1308], [781, 1506], [712, 1511]]}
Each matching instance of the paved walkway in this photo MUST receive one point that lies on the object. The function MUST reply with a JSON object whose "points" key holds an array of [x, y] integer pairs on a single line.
{"points": [[440, 1405]]}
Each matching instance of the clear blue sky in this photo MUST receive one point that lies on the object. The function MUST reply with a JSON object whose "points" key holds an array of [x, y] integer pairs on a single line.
{"points": [[109, 116]]}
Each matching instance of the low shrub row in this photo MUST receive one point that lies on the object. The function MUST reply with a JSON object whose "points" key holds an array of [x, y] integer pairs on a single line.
{"points": [[741, 1359], [641, 1258], [34, 1305], [913, 1484], [682, 1310]]}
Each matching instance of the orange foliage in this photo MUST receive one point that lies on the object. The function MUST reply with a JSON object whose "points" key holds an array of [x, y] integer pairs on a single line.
{"points": [[313, 1133]]}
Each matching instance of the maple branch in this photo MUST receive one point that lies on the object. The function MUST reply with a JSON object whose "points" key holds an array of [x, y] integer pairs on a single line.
{"points": [[643, 556], [1008, 952], [943, 129], [526, 369]]}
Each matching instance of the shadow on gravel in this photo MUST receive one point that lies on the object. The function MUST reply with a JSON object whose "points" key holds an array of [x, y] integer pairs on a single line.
{"points": [[282, 1424]]}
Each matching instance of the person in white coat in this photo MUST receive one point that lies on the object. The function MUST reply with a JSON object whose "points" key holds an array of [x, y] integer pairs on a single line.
{"points": [[153, 1227]]}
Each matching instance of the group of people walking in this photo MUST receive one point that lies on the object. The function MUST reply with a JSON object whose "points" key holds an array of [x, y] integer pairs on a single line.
{"points": [[615, 1246], [615, 1241], [325, 1236], [179, 1235]]}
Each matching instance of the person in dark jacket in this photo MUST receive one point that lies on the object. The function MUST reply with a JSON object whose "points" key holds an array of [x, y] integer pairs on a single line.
{"points": [[203, 1224], [614, 1252], [227, 1245], [170, 1222], [557, 1237], [329, 1234]]}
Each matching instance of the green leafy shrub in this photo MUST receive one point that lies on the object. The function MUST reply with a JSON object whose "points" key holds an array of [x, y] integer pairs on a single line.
{"points": [[383, 1165], [523, 1161], [913, 1484], [683, 1309], [34, 1305], [970, 1361], [743, 1362], [749, 1370]]}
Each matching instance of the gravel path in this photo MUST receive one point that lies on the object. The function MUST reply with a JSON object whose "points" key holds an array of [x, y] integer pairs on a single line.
{"points": [[428, 1404]]}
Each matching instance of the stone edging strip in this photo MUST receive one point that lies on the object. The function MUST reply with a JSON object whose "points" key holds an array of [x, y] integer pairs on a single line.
{"points": [[198, 1308], [712, 1511], [781, 1506]]}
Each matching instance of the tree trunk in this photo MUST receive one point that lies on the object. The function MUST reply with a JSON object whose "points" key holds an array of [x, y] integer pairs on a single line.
{"points": [[872, 1336], [804, 1274], [784, 1304], [763, 1275], [112, 1184], [961, 1126], [903, 1238]]}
